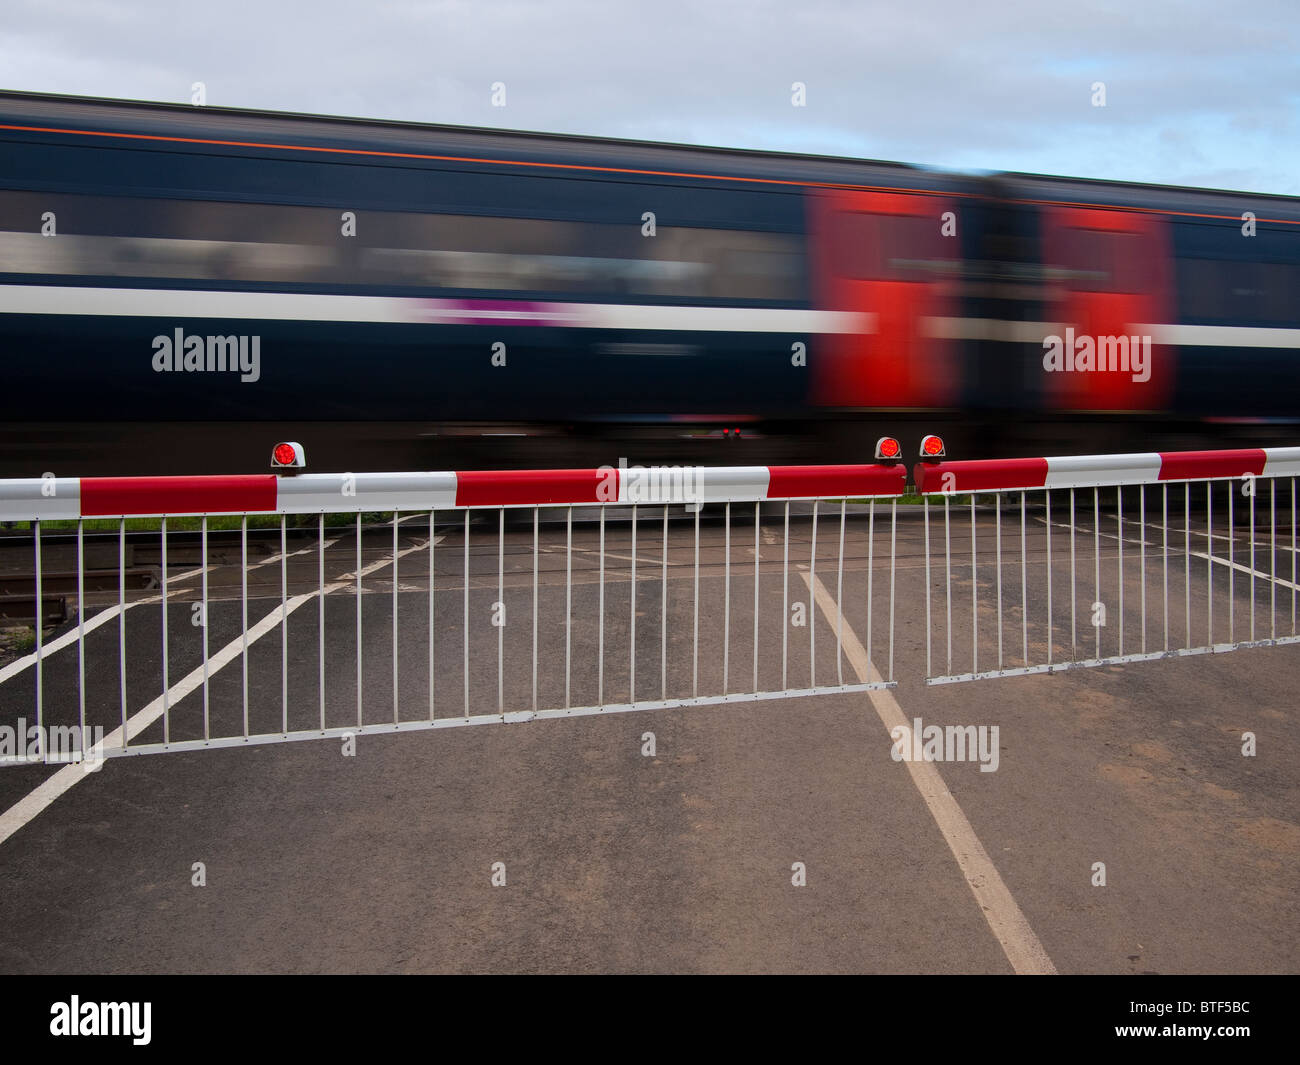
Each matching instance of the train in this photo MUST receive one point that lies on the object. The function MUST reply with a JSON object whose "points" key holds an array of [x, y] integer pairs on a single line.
{"points": [[183, 286]]}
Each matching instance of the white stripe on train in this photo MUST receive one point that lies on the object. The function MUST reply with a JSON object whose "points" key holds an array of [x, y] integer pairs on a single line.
{"points": [[406, 310]]}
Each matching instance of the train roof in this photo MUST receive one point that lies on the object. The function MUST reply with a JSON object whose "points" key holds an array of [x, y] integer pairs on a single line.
{"points": [[1172, 199], [290, 131]]}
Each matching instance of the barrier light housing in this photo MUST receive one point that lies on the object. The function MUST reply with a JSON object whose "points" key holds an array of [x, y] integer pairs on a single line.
{"points": [[888, 449], [932, 447], [288, 455]]}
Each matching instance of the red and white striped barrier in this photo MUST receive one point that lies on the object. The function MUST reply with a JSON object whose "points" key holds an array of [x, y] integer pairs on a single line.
{"points": [[1100, 471], [101, 497]]}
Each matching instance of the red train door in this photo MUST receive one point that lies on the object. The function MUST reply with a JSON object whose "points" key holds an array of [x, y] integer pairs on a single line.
{"points": [[1109, 275], [884, 255]]}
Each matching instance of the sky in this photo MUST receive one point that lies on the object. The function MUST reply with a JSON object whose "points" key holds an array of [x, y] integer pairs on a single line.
{"points": [[1196, 92]]}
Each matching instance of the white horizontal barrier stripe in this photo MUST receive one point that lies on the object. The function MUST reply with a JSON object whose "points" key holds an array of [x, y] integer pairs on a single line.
{"points": [[723, 484], [40, 499], [1227, 336], [301, 306], [1085, 471], [989, 329], [1282, 462], [659, 484], [314, 493]]}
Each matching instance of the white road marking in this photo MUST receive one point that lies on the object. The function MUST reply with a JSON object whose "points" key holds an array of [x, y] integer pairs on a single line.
{"points": [[18, 665], [45, 793], [1156, 545], [1009, 926]]}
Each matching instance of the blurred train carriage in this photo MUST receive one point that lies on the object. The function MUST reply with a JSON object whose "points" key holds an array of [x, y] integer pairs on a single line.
{"points": [[438, 297]]}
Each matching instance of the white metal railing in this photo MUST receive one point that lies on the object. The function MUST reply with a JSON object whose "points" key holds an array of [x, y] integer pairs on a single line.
{"points": [[418, 601], [1104, 558]]}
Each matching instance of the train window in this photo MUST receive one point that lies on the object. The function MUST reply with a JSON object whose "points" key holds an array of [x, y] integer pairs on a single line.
{"points": [[881, 247], [105, 237], [1102, 260], [1238, 291], [261, 243]]}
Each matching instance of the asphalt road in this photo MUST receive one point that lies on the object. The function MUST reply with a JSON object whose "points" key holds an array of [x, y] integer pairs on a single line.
{"points": [[615, 860]]}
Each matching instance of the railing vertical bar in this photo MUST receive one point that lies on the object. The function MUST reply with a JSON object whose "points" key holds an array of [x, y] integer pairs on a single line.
{"points": [[243, 609], [785, 599], [81, 637], [1142, 557], [121, 623], [1272, 558], [284, 628], [465, 634], [1187, 556], [1024, 579], [997, 569], [203, 549], [1209, 564], [166, 679], [663, 612], [871, 565], [1074, 629], [600, 628], [839, 601], [396, 712], [631, 665], [893, 560], [320, 616], [536, 520], [1096, 561], [758, 549], [1252, 560], [947, 561], [974, 594], [812, 611], [1119, 526], [357, 597], [501, 605], [1232, 563], [1047, 514], [433, 614], [695, 632], [40, 640], [1164, 522], [726, 596], [568, 603]]}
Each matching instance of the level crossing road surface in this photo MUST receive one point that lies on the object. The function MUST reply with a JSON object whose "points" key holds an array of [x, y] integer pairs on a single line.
{"points": [[774, 835]]}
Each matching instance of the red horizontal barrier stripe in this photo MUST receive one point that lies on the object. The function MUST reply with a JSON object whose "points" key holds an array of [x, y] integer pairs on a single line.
{"points": [[492, 488], [1189, 465], [794, 482], [247, 493], [989, 475]]}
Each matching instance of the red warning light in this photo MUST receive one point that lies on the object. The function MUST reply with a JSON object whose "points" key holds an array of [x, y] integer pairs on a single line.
{"points": [[288, 455], [932, 447], [887, 448]]}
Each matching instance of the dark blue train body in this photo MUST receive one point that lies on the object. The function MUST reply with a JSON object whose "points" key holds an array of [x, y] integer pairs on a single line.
{"points": [[436, 296]]}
